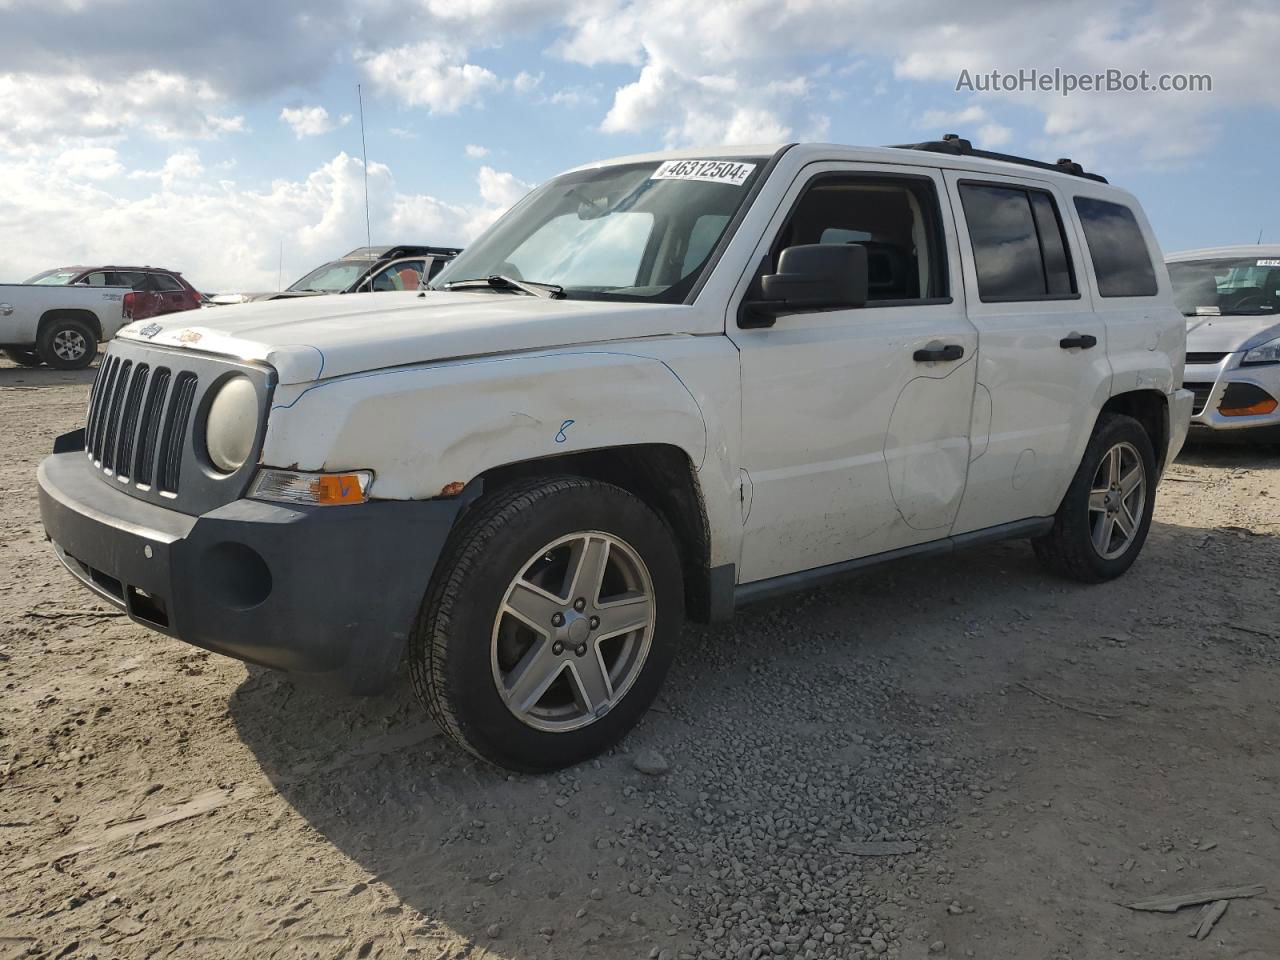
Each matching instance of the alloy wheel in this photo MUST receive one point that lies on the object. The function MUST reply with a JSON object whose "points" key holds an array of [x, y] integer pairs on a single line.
{"points": [[69, 345], [1117, 499], [573, 631]]}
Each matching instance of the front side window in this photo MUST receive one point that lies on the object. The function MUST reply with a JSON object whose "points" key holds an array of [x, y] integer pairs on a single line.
{"points": [[636, 231], [1240, 286], [1117, 248], [1019, 248], [406, 275], [895, 218]]}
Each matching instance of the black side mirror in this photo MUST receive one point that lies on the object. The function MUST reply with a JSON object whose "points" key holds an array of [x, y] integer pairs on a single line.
{"points": [[812, 276]]}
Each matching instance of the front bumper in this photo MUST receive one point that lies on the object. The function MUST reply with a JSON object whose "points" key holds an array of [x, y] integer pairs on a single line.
{"points": [[1210, 383], [321, 590]]}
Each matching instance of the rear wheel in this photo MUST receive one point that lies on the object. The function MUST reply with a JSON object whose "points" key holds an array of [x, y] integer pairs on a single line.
{"points": [[550, 623], [23, 358], [1104, 518], [67, 343]]}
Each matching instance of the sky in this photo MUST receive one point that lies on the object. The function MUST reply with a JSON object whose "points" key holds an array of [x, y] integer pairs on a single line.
{"points": [[222, 137]]}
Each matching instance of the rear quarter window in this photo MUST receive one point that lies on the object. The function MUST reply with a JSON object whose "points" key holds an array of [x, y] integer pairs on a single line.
{"points": [[1117, 248]]}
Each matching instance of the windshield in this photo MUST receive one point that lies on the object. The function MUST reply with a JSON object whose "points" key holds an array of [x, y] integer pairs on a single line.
{"points": [[1243, 286], [54, 278], [332, 277], [639, 231]]}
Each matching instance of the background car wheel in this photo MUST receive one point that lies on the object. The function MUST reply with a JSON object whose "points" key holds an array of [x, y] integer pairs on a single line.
{"points": [[67, 344], [23, 358], [549, 624], [1104, 518]]}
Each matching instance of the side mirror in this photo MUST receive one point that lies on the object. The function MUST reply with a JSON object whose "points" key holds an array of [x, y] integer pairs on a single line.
{"points": [[812, 276]]}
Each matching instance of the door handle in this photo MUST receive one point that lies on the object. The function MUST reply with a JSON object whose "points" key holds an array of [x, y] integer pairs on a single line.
{"points": [[952, 351], [1082, 340]]}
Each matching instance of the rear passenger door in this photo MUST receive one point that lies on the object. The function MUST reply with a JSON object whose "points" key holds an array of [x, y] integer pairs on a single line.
{"points": [[1043, 372], [146, 299], [171, 296]]}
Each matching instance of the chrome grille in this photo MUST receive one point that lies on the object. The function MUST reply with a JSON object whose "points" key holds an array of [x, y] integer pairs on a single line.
{"points": [[135, 412]]}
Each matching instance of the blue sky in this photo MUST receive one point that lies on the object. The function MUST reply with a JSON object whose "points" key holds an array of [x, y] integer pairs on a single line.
{"points": [[204, 134]]}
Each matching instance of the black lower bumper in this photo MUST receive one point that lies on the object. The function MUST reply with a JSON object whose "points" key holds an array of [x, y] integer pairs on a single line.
{"points": [[323, 590]]}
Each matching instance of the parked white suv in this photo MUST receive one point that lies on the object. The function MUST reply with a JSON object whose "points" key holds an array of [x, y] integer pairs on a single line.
{"points": [[1231, 299], [664, 385]]}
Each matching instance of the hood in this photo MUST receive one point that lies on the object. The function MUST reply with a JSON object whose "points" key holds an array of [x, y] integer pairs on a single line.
{"points": [[309, 338], [1229, 334]]}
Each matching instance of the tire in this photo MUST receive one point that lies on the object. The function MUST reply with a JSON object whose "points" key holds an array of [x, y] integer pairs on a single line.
{"points": [[1079, 545], [515, 548], [23, 358], [67, 344]]}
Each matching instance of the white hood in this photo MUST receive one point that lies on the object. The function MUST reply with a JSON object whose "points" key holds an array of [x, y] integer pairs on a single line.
{"points": [[1229, 334], [331, 336]]}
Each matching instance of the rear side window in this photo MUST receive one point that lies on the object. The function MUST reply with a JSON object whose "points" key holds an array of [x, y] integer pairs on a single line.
{"points": [[1117, 248], [167, 283], [95, 280], [1019, 249]]}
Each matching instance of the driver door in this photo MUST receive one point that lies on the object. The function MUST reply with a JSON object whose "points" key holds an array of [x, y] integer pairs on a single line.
{"points": [[854, 441]]}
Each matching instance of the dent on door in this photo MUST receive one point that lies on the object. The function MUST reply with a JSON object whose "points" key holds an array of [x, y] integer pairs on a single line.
{"points": [[927, 447]]}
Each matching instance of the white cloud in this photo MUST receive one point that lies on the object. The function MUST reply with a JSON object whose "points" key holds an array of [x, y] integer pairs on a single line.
{"points": [[221, 235], [525, 81], [40, 112], [312, 121], [476, 152], [430, 74]]}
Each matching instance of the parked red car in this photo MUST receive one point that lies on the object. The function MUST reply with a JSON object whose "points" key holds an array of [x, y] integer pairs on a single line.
{"points": [[155, 290]]}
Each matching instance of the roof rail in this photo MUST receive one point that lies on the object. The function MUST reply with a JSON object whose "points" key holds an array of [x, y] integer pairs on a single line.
{"points": [[957, 146]]}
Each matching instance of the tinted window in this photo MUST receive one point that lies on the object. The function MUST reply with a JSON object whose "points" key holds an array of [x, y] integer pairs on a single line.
{"points": [[166, 283], [1019, 251], [1059, 279], [406, 275], [896, 219], [1117, 248], [137, 280]]}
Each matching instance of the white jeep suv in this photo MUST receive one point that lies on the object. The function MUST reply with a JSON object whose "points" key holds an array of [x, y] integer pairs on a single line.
{"points": [[661, 386]]}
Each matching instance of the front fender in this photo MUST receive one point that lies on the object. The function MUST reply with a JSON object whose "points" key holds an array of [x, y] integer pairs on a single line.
{"points": [[427, 431]]}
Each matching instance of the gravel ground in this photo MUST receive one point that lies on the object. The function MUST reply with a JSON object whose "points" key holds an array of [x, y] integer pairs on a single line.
{"points": [[960, 757]]}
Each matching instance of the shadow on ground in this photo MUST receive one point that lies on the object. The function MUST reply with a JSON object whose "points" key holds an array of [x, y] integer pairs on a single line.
{"points": [[378, 781]]}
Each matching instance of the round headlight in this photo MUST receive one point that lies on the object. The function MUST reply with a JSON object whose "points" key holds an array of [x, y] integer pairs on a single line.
{"points": [[232, 424]]}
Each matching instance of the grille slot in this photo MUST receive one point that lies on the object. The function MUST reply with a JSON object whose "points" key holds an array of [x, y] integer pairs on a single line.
{"points": [[149, 434], [129, 421], [101, 400], [168, 473], [113, 416], [1205, 358], [1201, 391]]}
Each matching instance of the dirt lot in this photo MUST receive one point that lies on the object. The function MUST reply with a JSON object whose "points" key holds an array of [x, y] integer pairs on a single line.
{"points": [[1050, 751]]}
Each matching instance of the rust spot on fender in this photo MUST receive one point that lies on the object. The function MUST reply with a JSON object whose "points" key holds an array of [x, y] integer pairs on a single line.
{"points": [[452, 489]]}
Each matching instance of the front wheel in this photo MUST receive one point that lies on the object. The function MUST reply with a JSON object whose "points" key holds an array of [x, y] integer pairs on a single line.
{"points": [[550, 623], [1104, 518]]}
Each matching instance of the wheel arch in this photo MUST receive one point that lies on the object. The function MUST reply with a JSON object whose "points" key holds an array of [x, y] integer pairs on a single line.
{"points": [[65, 313], [662, 475], [1151, 409]]}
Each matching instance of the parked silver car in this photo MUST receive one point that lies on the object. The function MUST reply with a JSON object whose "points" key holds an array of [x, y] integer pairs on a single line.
{"points": [[1231, 299]]}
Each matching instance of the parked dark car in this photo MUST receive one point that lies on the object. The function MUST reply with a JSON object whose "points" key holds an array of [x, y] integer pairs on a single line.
{"points": [[156, 291], [364, 269]]}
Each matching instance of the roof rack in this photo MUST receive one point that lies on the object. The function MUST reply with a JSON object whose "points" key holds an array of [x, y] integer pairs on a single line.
{"points": [[957, 146]]}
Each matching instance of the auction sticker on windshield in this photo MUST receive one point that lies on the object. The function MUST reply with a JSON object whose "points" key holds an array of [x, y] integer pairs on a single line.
{"points": [[1269, 263], [708, 171]]}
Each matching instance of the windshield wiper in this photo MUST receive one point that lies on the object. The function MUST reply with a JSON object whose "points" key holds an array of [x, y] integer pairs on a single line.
{"points": [[548, 291]]}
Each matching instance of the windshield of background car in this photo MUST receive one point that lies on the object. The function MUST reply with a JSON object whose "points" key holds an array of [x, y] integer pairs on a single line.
{"points": [[332, 277], [637, 231], [54, 278], [1243, 286]]}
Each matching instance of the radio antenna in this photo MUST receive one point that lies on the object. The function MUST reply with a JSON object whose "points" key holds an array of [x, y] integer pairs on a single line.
{"points": [[364, 158]]}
